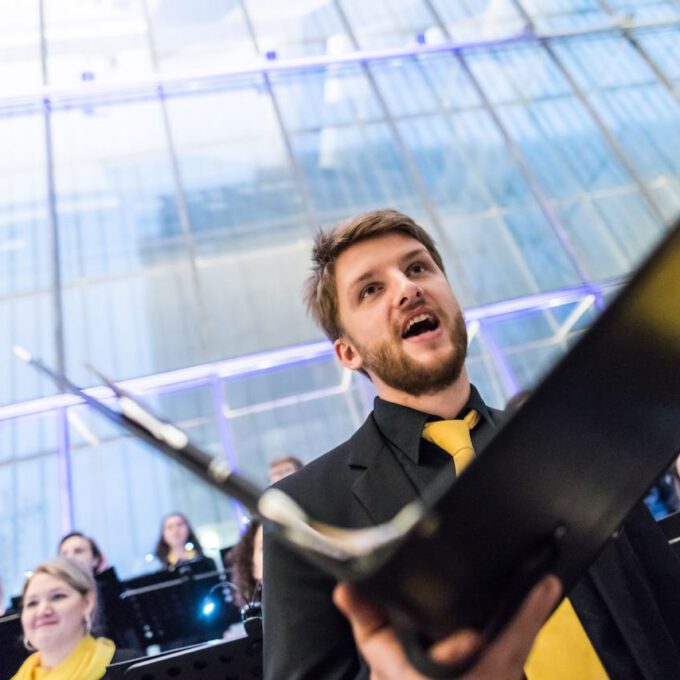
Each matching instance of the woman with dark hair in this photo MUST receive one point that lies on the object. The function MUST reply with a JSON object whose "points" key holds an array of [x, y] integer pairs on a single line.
{"points": [[58, 602], [81, 548], [177, 543], [111, 617], [246, 564]]}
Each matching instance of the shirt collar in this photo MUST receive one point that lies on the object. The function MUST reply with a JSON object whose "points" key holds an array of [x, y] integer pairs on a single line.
{"points": [[402, 426]]}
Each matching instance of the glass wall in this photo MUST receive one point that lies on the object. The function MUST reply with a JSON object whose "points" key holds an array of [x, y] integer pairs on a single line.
{"points": [[166, 164]]}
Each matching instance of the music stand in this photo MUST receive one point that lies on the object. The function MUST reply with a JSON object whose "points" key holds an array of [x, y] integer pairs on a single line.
{"points": [[12, 652], [235, 660], [176, 607]]}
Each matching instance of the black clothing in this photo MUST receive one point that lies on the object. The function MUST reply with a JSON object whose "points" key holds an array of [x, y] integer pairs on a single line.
{"points": [[629, 602], [421, 460], [113, 618]]}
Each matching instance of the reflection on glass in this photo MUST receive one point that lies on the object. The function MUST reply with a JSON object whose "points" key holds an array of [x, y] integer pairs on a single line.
{"points": [[239, 186], [194, 35], [382, 23], [478, 20], [297, 27], [20, 60], [96, 41]]}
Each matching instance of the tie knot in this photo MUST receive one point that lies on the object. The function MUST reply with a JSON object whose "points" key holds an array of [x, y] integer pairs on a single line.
{"points": [[453, 436]]}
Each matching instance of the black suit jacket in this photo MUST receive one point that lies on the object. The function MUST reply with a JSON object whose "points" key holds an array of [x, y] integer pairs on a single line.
{"points": [[629, 602]]}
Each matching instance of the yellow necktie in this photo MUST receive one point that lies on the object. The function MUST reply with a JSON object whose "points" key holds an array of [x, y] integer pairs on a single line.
{"points": [[453, 436]]}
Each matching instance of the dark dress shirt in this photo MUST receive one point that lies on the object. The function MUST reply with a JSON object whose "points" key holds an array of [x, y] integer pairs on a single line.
{"points": [[422, 460]]}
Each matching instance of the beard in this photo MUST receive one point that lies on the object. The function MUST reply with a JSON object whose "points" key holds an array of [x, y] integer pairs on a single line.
{"points": [[406, 374]]}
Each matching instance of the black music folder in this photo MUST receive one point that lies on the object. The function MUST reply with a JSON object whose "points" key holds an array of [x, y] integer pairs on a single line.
{"points": [[545, 495]]}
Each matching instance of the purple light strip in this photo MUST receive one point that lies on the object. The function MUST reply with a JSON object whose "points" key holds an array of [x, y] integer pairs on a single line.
{"points": [[180, 378], [539, 301], [64, 472], [226, 440], [263, 361]]}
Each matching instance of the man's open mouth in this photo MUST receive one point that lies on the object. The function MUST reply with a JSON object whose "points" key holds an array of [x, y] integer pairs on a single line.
{"points": [[422, 323]]}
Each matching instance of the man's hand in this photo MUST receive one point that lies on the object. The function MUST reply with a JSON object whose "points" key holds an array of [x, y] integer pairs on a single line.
{"points": [[503, 659]]}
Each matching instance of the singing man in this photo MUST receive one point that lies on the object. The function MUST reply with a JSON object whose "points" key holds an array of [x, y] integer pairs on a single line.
{"points": [[379, 291]]}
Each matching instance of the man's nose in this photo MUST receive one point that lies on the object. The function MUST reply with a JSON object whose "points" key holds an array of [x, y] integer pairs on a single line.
{"points": [[406, 290]]}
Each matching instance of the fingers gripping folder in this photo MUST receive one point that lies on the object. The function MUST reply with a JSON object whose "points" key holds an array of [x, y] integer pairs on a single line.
{"points": [[545, 495]]}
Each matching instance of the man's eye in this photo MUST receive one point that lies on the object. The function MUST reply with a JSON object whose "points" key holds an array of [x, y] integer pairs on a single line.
{"points": [[416, 268], [368, 291]]}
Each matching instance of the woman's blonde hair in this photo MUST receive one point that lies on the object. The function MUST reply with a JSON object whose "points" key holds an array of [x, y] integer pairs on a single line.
{"points": [[68, 571]]}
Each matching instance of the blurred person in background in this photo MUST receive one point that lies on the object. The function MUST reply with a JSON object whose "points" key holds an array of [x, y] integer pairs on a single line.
{"points": [[78, 547], [282, 467], [246, 564], [177, 543], [111, 618]]}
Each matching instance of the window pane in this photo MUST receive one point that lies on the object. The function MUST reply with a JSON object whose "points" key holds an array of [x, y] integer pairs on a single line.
{"points": [[382, 23], [119, 481], [297, 27], [29, 497], [96, 40], [20, 60]]}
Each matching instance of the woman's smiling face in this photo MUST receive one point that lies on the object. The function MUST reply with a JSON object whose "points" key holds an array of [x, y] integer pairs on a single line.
{"points": [[53, 614]]}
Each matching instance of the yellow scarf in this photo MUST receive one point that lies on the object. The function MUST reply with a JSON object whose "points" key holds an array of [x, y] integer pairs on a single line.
{"points": [[88, 661], [188, 556]]}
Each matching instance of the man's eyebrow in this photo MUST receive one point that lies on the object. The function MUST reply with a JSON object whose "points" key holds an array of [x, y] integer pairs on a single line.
{"points": [[370, 274], [366, 276], [419, 251]]}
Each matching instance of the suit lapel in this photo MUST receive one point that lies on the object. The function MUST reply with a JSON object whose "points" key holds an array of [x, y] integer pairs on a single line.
{"points": [[383, 487]]}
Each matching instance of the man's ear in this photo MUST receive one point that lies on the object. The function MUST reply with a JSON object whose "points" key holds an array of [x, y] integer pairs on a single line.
{"points": [[347, 354]]}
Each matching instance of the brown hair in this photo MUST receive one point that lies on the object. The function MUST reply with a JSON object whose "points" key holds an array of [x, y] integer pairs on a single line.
{"points": [[162, 549], [320, 292], [68, 571], [240, 557], [293, 460], [96, 551]]}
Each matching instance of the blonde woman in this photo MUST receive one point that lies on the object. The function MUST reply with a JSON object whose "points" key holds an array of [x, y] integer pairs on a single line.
{"points": [[58, 602]]}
